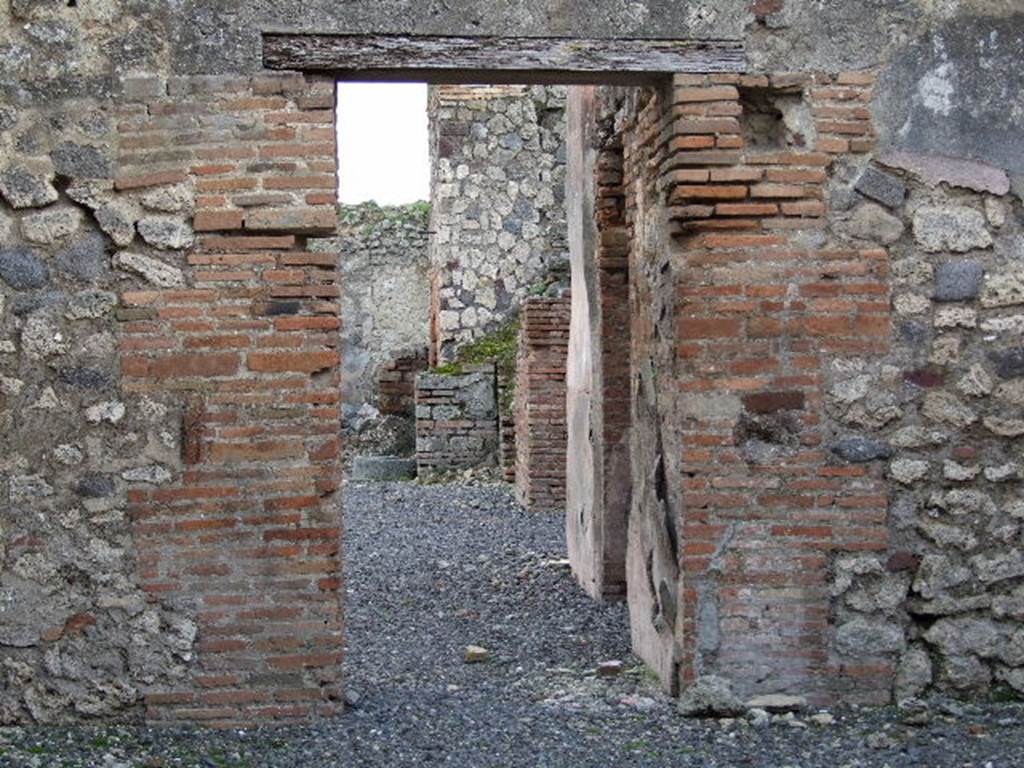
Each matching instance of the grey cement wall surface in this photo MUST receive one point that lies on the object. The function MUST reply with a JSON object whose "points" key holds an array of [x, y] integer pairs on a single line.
{"points": [[959, 91]]}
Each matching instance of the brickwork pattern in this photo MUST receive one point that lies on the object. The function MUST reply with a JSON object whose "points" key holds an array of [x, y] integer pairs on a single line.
{"points": [[839, 495], [249, 534], [506, 432], [756, 315], [759, 319], [396, 384], [540, 404], [613, 288]]}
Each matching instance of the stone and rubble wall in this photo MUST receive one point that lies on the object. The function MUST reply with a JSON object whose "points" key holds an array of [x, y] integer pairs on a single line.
{"points": [[824, 438], [456, 420], [540, 404], [941, 411], [247, 533], [169, 348], [385, 270], [498, 216], [170, 545]]}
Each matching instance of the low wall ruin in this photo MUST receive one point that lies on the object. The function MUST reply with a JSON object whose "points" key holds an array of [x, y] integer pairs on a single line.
{"points": [[456, 420]]}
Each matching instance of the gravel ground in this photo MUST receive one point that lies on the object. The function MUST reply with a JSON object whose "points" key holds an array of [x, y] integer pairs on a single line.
{"points": [[433, 569]]}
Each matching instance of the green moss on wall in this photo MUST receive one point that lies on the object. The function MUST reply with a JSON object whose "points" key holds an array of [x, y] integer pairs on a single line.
{"points": [[500, 347], [368, 218]]}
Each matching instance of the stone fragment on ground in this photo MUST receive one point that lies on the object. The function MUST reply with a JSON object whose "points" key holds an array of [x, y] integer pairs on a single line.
{"points": [[610, 668], [777, 702], [710, 696], [914, 712], [382, 468], [759, 718], [476, 654]]}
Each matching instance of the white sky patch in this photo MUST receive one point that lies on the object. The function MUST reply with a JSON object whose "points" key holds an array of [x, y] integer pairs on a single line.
{"points": [[383, 151]]}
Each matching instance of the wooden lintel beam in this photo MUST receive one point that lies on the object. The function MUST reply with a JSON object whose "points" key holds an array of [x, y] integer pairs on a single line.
{"points": [[497, 59]]}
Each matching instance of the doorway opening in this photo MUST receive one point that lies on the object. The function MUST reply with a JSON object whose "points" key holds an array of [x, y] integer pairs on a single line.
{"points": [[451, 307], [450, 422], [259, 437]]}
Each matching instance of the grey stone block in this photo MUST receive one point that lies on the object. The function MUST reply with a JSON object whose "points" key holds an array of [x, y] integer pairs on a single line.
{"points": [[21, 270], [428, 444], [873, 222], [85, 378], [842, 198], [861, 449], [882, 187], [24, 189], [117, 220], [81, 161], [1009, 363], [446, 413], [86, 259], [958, 280], [51, 225], [956, 228], [166, 232], [96, 486], [26, 304], [90, 305], [914, 333], [8, 118], [383, 468]]}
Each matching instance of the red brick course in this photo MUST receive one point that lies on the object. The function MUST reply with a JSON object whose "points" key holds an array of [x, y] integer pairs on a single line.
{"points": [[758, 315], [613, 259], [250, 536], [396, 384], [540, 394]]}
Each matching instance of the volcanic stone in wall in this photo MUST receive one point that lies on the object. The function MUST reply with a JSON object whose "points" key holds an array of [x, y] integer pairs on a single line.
{"points": [[939, 416], [498, 221], [456, 419]]}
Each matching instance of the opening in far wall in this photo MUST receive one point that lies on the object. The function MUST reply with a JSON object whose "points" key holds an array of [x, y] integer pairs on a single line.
{"points": [[383, 153]]}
